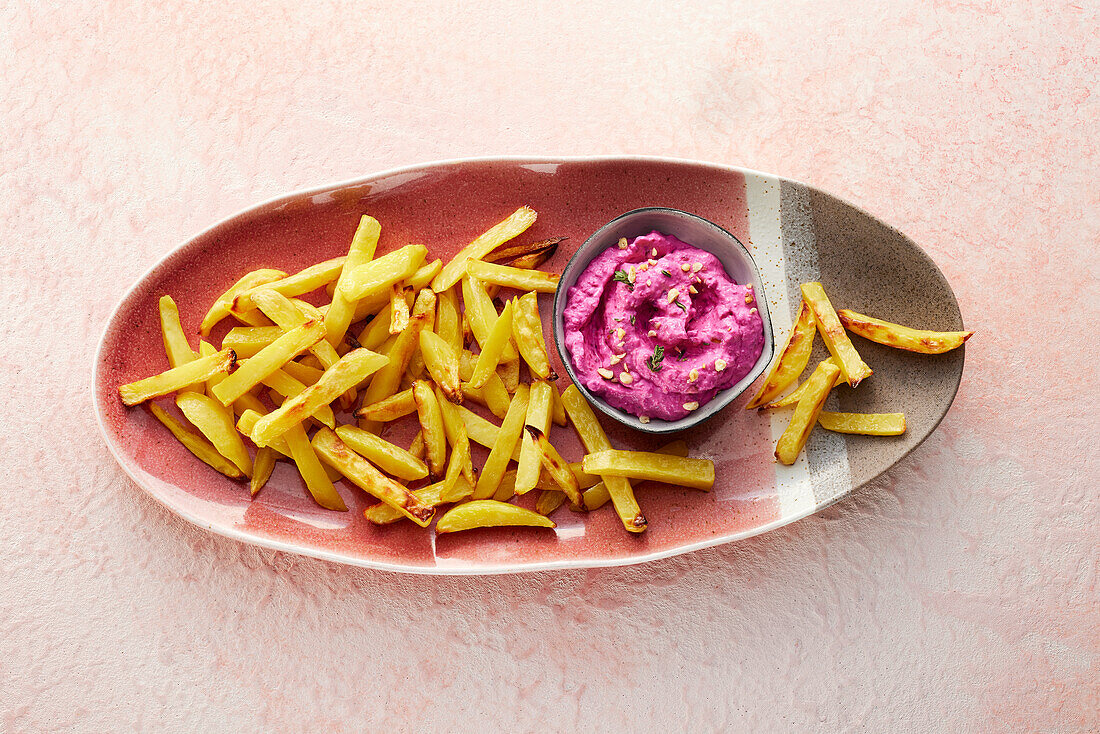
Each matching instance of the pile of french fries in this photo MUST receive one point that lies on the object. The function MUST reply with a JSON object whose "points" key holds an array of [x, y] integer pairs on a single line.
{"points": [[318, 386], [816, 315]]}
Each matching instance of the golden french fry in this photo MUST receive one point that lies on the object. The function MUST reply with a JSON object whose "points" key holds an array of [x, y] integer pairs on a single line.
{"points": [[593, 437], [287, 315], [267, 360], [391, 459], [482, 513], [309, 466], [247, 421], [518, 278], [176, 378], [792, 358], [310, 279], [363, 474], [457, 466], [481, 431], [224, 302], [375, 334], [424, 275], [354, 367], [387, 379], [457, 437], [527, 330], [247, 341], [341, 311], [902, 337], [394, 407], [416, 446], [441, 360], [196, 444], [303, 373], [431, 426], [538, 417], [512, 227], [482, 315], [176, 347], [448, 320], [493, 396], [682, 470], [853, 369], [378, 275], [399, 310], [288, 387], [799, 391], [557, 467], [493, 348], [805, 414], [506, 490], [549, 500], [867, 424], [431, 495], [596, 495], [515, 254], [557, 408], [509, 374], [262, 468], [505, 445], [215, 421]]}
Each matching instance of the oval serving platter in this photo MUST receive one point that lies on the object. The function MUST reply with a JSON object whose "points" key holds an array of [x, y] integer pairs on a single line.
{"points": [[795, 233]]}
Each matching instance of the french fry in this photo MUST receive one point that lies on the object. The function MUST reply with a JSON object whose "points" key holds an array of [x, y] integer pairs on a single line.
{"points": [[448, 321], [287, 315], [493, 348], [457, 437], [549, 500], [378, 275], [509, 374], [593, 437], [645, 465], [303, 373], [902, 337], [399, 310], [457, 466], [493, 396], [361, 473], [799, 391], [441, 360], [556, 467], [288, 387], [432, 495], [867, 424], [267, 360], [853, 369], [518, 278], [488, 513], [534, 259], [416, 446], [431, 426], [506, 490], [310, 279], [262, 468], [224, 302], [247, 421], [482, 315], [557, 408], [538, 417], [504, 447], [356, 366], [391, 459], [512, 227], [196, 444], [215, 422], [394, 407], [805, 414], [527, 330], [176, 347], [309, 466], [247, 341], [481, 431], [342, 309], [792, 358], [596, 495], [387, 379], [207, 349], [508, 255], [176, 378], [424, 275]]}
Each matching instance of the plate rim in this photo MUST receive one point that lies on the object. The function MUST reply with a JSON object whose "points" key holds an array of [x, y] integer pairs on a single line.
{"points": [[494, 569]]}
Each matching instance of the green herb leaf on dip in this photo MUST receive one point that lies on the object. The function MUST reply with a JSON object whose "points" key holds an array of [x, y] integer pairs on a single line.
{"points": [[621, 277], [682, 306], [654, 362], [667, 274]]}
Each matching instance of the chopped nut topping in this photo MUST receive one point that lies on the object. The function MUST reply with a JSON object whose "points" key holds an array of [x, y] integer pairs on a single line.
{"points": [[693, 375], [752, 310], [749, 298], [622, 243], [685, 267], [653, 253], [748, 287], [692, 290], [691, 406], [616, 358], [652, 333], [631, 274], [620, 333], [672, 294], [696, 267], [719, 365], [606, 373], [643, 418], [626, 378], [651, 262]]}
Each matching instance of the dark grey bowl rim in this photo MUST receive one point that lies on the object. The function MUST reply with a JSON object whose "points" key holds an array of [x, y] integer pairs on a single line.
{"points": [[720, 401]]}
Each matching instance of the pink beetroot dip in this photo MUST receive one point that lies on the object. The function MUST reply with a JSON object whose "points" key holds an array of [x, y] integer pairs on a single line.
{"points": [[634, 302]]}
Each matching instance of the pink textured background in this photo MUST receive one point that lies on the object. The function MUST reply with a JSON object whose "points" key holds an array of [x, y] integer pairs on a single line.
{"points": [[957, 593]]}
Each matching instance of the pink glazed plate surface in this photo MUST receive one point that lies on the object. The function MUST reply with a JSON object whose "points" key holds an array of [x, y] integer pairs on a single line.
{"points": [[795, 234]]}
